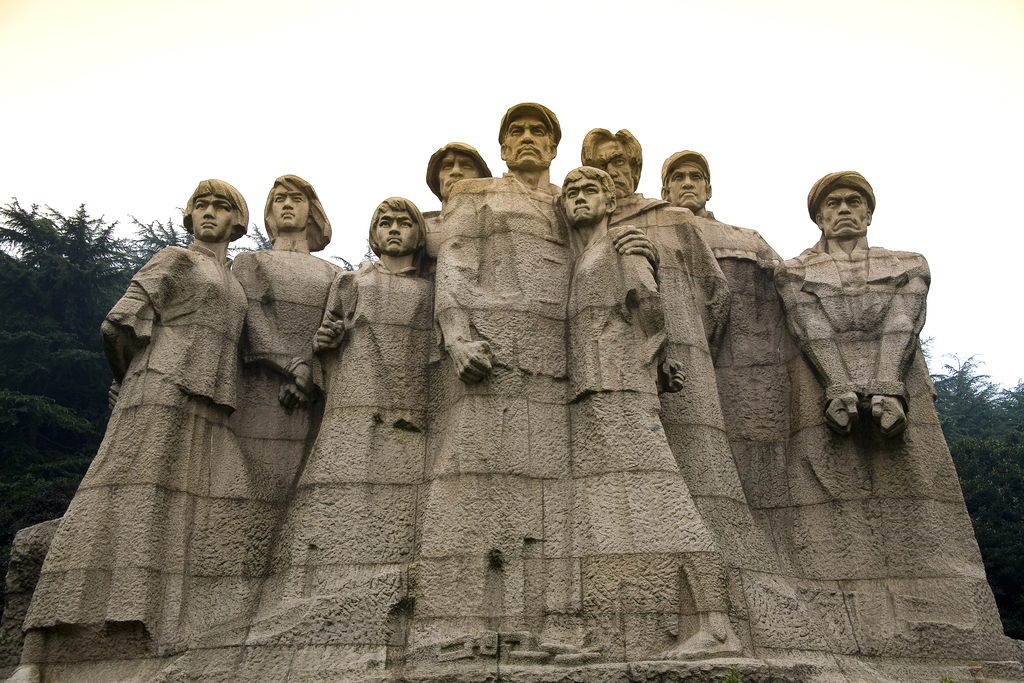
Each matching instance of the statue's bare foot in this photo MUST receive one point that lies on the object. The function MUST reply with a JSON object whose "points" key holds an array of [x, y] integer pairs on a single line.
{"points": [[25, 673], [841, 413], [888, 414], [714, 639]]}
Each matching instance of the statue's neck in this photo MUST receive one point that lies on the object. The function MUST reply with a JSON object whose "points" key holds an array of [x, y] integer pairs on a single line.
{"points": [[532, 178], [218, 249], [846, 245], [592, 233], [396, 264], [292, 241]]}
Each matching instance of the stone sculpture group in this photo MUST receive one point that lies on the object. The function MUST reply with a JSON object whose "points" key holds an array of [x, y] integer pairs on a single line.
{"points": [[552, 428]]}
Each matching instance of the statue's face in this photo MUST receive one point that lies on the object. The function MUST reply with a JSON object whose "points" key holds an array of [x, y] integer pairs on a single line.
{"points": [[586, 202], [687, 187], [528, 144], [611, 158], [213, 218], [455, 167], [844, 213], [396, 233], [289, 209]]}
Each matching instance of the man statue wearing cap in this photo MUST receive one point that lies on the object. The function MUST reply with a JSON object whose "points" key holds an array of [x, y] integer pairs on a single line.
{"points": [[693, 282], [501, 445], [696, 300], [454, 162], [856, 311], [686, 183], [501, 289]]}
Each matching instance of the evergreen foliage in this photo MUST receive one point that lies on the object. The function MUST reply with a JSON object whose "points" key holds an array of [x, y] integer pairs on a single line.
{"points": [[59, 275]]}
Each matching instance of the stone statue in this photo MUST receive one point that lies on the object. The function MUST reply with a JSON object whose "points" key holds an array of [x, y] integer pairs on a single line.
{"points": [[339, 574], [454, 162], [598, 430], [130, 569], [696, 300], [856, 311], [287, 290], [629, 499], [686, 183], [282, 382], [620, 155], [871, 507]]}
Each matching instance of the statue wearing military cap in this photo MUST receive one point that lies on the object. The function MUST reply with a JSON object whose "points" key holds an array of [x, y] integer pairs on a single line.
{"points": [[454, 162], [529, 136]]}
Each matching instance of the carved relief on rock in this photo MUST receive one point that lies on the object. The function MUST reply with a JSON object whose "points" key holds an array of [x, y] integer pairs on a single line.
{"points": [[153, 534], [630, 503], [339, 574], [856, 311]]}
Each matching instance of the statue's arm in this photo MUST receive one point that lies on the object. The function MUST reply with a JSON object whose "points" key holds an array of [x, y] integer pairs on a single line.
{"points": [[901, 331], [809, 324], [458, 268], [125, 331], [332, 326], [262, 342], [710, 285]]}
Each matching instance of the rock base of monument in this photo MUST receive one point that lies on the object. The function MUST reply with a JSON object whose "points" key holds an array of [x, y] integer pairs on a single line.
{"points": [[320, 664]]}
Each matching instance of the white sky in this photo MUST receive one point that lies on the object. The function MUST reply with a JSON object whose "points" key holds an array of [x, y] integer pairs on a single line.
{"points": [[126, 105]]}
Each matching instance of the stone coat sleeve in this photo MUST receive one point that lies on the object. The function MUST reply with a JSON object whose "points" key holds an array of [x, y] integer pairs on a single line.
{"points": [[812, 329], [189, 310], [262, 341]]}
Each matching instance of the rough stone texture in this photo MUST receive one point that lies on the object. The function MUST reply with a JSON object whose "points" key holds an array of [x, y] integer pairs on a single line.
{"points": [[27, 554], [497, 490]]}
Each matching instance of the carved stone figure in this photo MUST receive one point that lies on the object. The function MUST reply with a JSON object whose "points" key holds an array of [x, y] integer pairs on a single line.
{"points": [[340, 571], [154, 532], [856, 311], [497, 474], [454, 162], [696, 301], [626, 432], [865, 508], [631, 507], [686, 183]]}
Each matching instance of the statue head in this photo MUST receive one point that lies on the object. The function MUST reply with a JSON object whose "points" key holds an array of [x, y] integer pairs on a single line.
{"points": [[618, 155], [841, 204], [219, 212], [588, 196], [454, 162], [686, 181], [529, 136], [397, 228], [292, 205]]}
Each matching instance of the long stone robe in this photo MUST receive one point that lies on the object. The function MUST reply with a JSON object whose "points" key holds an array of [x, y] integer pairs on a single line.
{"points": [[496, 495], [162, 526], [699, 301], [632, 512], [341, 564]]}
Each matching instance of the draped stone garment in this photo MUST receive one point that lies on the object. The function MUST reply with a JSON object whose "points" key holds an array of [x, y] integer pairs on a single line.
{"points": [[341, 563], [157, 532]]}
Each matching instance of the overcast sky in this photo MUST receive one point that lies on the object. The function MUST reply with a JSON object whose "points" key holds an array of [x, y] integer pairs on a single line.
{"points": [[125, 105]]}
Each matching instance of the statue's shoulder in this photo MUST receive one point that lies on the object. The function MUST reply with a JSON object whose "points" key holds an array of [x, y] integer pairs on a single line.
{"points": [[798, 264], [475, 186], [169, 259], [915, 265]]}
